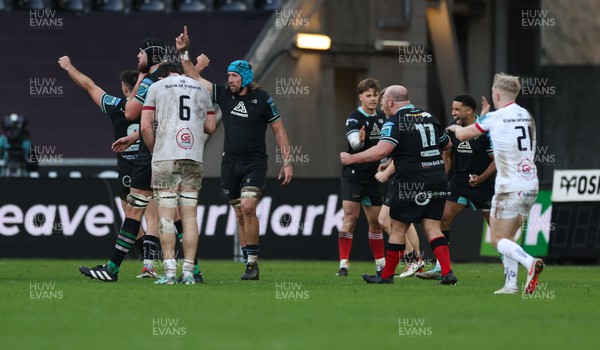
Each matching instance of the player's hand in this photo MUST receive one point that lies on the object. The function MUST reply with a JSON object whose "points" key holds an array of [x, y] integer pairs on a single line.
{"points": [[362, 134], [474, 180], [286, 172], [141, 77], [182, 42], [453, 128], [485, 106], [122, 144], [202, 62], [381, 176], [382, 167], [64, 62], [346, 158]]}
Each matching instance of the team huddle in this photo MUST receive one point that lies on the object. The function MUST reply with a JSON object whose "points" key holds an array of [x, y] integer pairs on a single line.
{"points": [[168, 108]]}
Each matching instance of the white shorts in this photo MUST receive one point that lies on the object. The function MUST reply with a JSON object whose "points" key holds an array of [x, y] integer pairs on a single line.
{"points": [[512, 204], [170, 174]]}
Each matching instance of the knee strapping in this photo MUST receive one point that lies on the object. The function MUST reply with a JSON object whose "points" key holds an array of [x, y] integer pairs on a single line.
{"points": [[166, 226], [138, 200], [251, 192], [166, 199], [188, 199], [236, 203]]}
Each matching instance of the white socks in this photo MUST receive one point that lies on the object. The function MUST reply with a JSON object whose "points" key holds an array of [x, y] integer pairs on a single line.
{"points": [[513, 251], [511, 269], [379, 264], [170, 268], [344, 263]]}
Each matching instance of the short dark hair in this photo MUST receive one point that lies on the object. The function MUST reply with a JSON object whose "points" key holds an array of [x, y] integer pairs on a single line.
{"points": [[466, 100], [367, 84], [165, 69], [129, 77]]}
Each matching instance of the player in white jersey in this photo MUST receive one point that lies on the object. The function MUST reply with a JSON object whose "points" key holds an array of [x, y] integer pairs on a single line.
{"points": [[182, 112], [512, 130]]}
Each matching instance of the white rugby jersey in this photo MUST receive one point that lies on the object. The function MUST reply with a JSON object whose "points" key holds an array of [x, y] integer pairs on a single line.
{"points": [[512, 130], [181, 105]]}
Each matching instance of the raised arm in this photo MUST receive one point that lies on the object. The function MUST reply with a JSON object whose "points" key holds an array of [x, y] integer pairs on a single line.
{"points": [[467, 133], [182, 43], [81, 79], [133, 108]]}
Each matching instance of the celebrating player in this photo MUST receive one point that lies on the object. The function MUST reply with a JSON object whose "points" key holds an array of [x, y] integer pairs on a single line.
{"points": [[247, 110], [414, 138], [512, 130], [358, 183]]}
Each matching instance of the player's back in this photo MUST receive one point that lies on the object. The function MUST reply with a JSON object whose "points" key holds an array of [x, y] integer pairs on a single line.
{"points": [[512, 130], [181, 106]]}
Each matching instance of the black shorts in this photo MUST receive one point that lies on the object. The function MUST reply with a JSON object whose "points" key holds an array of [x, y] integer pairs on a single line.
{"points": [[125, 170], [365, 192], [472, 197], [412, 206], [237, 175], [388, 189], [141, 177]]}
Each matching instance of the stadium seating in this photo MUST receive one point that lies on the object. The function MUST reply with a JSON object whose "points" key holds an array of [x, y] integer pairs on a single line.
{"points": [[231, 5], [113, 5], [75, 5], [34, 4], [268, 5], [150, 5], [191, 6]]}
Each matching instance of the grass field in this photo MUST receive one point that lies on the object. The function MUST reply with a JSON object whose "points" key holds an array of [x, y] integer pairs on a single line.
{"points": [[46, 304]]}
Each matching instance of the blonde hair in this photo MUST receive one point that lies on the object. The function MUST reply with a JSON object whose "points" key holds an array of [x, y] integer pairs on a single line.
{"points": [[508, 84]]}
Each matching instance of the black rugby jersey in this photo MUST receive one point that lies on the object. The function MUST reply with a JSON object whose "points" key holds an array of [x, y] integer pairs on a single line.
{"points": [[114, 107], [373, 124], [245, 119], [419, 140], [471, 157], [141, 98]]}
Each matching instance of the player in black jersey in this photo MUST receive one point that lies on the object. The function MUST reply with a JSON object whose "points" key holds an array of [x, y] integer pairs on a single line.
{"points": [[472, 169], [415, 139], [151, 54], [114, 107], [358, 183], [247, 111]]}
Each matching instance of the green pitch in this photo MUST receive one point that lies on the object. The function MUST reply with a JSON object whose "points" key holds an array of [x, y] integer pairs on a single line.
{"points": [[47, 304]]}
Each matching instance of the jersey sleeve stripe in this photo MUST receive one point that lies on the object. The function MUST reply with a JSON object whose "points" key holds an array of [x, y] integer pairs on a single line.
{"points": [[148, 108], [390, 140], [274, 120], [102, 104], [479, 127], [351, 131]]}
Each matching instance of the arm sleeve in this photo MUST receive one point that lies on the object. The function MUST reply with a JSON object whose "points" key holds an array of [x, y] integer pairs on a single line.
{"points": [[150, 100], [108, 103], [143, 90], [217, 92]]}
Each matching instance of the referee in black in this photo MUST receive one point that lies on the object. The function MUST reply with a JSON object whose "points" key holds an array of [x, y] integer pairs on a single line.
{"points": [[247, 111]]}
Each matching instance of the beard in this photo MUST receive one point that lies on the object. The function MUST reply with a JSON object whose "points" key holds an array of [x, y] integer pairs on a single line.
{"points": [[143, 68]]}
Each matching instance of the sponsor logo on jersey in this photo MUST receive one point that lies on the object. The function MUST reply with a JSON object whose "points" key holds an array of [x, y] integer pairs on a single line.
{"points": [[185, 138], [240, 110], [464, 147], [527, 169], [375, 132]]}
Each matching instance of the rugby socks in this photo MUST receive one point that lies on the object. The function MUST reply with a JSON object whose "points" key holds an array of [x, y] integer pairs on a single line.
{"points": [[394, 254], [252, 250], [139, 246], [170, 268], [150, 251], [179, 228], [125, 240], [188, 267], [345, 244], [513, 251], [439, 245], [511, 268], [376, 244], [245, 254]]}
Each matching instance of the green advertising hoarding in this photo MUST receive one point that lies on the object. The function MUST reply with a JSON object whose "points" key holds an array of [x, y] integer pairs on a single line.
{"points": [[535, 232]]}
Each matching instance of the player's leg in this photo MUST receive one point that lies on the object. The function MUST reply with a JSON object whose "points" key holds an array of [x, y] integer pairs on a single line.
{"points": [[395, 252], [350, 193], [236, 204], [138, 201], [151, 241], [167, 207], [180, 230], [507, 214], [249, 201], [439, 246], [346, 234], [414, 261], [376, 242], [188, 207]]}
